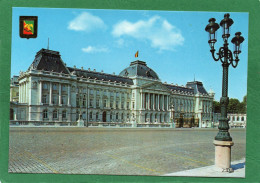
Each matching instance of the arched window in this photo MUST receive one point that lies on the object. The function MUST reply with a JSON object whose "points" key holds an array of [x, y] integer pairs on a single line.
{"points": [[55, 114], [242, 119], [122, 116], [238, 118], [45, 114], [116, 115], [127, 116]]}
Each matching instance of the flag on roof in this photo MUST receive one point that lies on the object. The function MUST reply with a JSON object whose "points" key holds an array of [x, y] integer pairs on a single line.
{"points": [[136, 54]]}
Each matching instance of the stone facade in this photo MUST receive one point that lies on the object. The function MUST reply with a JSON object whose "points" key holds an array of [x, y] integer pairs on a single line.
{"points": [[52, 93]]}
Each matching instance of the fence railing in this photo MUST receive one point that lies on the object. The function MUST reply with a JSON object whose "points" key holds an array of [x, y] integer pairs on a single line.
{"points": [[89, 124]]}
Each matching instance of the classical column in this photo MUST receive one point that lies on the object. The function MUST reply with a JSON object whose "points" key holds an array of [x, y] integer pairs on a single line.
{"points": [[22, 93], [59, 94], [163, 103], [101, 101], [19, 93], [120, 100], [108, 96], [167, 103], [95, 98], [149, 101], [69, 95], [125, 101], [144, 100], [29, 94], [26, 85], [50, 97], [159, 102], [153, 101], [88, 101], [40, 92], [114, 102], [141, 100]]}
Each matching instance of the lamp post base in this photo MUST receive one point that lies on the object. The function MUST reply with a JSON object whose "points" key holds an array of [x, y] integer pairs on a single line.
{"points": [[223, 155]]}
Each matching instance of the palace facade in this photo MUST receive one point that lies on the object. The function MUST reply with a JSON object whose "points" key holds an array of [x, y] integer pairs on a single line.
{"points": [[51, 93]]}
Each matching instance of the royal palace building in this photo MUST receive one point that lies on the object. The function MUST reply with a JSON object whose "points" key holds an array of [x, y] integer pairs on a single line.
{"points": [[50, 93]]}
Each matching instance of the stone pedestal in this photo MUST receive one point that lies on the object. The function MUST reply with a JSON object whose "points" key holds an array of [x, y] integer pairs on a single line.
{"points": [[223, 155], [80, 123], [134, 124]]}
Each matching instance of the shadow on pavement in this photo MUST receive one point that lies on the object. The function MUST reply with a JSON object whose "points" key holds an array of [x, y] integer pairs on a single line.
{"points": [[238, 166]]}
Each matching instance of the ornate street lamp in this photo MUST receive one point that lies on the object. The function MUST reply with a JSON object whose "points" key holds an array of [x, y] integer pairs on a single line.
{"points": [[172, 112], [223, 140]]}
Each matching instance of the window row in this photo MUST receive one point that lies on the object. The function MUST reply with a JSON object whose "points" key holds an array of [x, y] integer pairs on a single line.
{"points": [[55, 114], [98, 92], [105, 103], [55, 86], [55, 99]]}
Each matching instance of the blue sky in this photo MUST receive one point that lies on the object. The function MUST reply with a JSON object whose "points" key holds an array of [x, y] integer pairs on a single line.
{"points": [[173, 44]]}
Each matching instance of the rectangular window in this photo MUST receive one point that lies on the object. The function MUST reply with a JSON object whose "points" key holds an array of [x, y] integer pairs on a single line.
{"points": [[91, 102], [97, 103], [105, 103], [63, 100], [45, 114], [111, 104], [64, 88], [55, 99], [54, 86], [117, 104], [55, 114], [64, 115], [133, 106], [44, 99], [45, 86], [122, 105], [84, 102], [128, 105]]}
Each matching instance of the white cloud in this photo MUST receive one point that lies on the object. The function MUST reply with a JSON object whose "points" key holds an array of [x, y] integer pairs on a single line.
{"points": [[86, 22], [120, 42], [158, 31], [92, 49]]}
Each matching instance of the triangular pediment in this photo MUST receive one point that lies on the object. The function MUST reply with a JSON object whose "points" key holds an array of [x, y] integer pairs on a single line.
{"points": [[155, 86]]}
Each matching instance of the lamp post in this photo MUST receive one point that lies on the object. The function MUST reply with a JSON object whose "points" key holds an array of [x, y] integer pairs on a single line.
{"points": [[172, 113], [223, 140]]}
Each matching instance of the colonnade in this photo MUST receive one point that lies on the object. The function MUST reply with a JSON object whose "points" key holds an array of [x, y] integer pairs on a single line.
{"points": [[51, 93], [152, 101]]}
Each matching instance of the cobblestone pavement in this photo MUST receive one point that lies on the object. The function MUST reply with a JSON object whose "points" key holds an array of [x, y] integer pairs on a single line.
{"points": [[115, 151]]}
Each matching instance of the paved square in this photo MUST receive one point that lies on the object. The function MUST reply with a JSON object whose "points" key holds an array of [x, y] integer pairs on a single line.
{"points": [[117, 151]]}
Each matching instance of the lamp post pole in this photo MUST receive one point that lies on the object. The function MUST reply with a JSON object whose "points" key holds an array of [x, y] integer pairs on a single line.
{"points": [[223, 140]]}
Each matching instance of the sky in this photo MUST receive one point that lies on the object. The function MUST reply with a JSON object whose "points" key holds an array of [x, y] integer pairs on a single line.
{"points": [[173, 44]]}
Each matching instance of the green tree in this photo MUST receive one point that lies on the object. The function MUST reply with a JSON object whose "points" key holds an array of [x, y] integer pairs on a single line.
{"points": [[216, 107], [233, 106], [243, 105]]}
